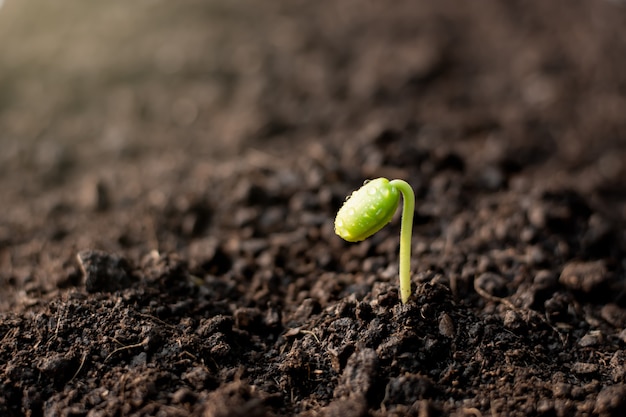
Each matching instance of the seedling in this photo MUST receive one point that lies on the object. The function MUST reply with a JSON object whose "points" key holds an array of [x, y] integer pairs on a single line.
{"points": [[369, 209]]}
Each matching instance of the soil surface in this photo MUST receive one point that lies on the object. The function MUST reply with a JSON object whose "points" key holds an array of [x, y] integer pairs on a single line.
{"points": [[170, 173]]}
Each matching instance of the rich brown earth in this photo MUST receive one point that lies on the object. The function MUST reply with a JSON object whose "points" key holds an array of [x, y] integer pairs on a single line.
{"points": [[170, 172]]}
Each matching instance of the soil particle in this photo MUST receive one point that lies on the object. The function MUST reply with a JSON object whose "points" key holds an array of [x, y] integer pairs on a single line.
{"points": [[103, 271], [585, 276], [349, 407], [236, 399], [614, 315], [359, 374], [611, 401], [446, 326], [200, 378], [409, 389], [59, 367], [583, 368]]}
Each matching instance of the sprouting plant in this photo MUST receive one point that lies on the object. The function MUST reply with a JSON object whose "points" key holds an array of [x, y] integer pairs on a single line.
{"points": [[369, 209]]}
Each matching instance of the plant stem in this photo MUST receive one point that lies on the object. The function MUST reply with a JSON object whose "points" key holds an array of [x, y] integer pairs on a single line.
{"points": [[406, 227]]}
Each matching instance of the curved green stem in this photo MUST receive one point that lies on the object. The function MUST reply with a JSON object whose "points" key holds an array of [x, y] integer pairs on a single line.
{"points": [[406, 228]]}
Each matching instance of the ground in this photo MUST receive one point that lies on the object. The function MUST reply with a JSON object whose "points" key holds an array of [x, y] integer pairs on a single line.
{"points": [[170, 173]]}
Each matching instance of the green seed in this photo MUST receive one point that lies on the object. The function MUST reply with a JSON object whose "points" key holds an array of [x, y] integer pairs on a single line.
{"points": [[367, 210]]}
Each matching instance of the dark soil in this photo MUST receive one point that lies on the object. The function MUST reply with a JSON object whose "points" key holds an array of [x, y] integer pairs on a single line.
{"points": [[170, 172]]}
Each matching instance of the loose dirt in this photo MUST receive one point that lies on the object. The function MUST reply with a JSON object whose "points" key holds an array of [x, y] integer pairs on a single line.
{"points": [[170, 174]]}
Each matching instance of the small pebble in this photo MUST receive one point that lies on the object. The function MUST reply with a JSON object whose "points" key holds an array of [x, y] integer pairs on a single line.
{"points": [[103, 271], [592, 338], [446, 326]]}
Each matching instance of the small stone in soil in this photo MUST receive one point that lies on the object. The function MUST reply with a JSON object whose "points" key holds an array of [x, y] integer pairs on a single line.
{"points": [[446, 326], [593, 338], [103, 271]]}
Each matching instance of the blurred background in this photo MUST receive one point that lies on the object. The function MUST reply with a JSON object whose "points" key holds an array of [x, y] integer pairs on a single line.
{"points": [[84, 84], [126, 97]]}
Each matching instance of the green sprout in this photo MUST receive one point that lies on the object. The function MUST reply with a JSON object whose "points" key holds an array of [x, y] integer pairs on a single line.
{"points": [[369, 209]]}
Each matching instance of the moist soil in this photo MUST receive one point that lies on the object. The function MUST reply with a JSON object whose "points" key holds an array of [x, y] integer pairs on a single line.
{"points": [[170, 174]]}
